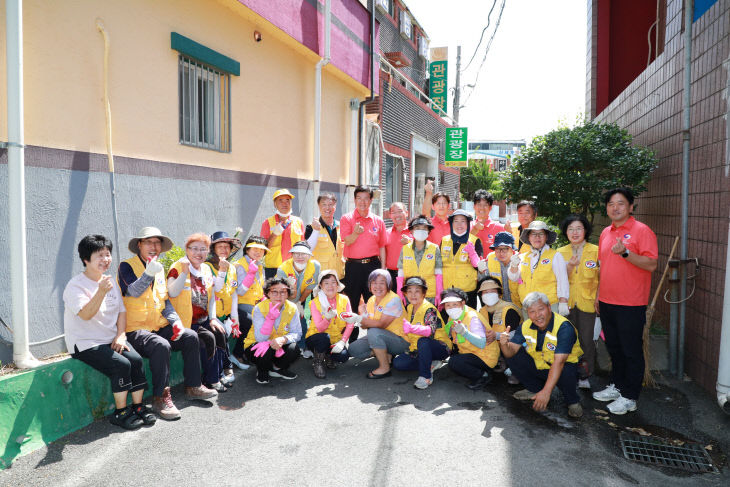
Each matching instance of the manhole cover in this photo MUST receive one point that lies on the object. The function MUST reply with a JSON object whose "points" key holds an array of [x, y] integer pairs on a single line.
{"points": [[658, 451]]}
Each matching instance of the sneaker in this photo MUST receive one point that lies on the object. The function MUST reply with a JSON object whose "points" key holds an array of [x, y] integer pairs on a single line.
{"points": [[575, 410], [283, 373], [481, 382], [524, 395], [307, 354], [218, 387], [126, 419], [610, 393], [227, 380], [262, 377], [584, 384], [144, 412], [622, 405], [436, 364], [200, 392], [239, 363], [164, 407], [422, 383], [501, 366], [513, 380]]}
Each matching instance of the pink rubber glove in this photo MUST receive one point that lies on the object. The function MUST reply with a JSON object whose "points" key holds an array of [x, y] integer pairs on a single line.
{"points": [[472, 253], [250, 274], [439, 288], [235, 328], [398, 286], [259, 349], [274, 313], [421, 330]]}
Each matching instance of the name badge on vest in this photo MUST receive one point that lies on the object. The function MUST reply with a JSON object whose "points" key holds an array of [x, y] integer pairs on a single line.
{"points": [[545, 261], [550, 346], [590, 264]]}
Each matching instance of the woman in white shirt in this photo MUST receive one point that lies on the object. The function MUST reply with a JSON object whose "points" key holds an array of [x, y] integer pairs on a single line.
{"points": [[95, 322]]}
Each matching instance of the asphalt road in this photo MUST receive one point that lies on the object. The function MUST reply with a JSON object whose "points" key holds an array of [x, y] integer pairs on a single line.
{"points": [[347, 430]]}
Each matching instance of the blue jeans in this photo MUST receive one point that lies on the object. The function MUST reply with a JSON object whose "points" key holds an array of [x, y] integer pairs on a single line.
{"points": [[523, 367], [380, 339], [302, 343], [428, 351], [321, 343]]}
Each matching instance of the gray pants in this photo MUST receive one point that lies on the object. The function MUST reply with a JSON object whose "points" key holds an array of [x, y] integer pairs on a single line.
{"points": [[585, 323], [378, 338]]}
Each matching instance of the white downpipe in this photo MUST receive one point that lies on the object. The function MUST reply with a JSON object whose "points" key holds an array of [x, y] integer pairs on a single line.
{"points": [[318, 107], [16, 185], [723, 366]]}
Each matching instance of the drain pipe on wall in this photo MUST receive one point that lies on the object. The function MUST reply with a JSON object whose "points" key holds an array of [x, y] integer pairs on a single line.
{"points": [[371, 97], [723, 365], [16, 186], [318, 106]]}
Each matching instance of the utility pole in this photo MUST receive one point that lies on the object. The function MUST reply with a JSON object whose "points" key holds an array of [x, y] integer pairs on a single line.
{"points": [[456, 86]]}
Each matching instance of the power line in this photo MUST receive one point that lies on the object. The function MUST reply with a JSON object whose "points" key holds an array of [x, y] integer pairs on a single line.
{"points": [[489, 17]]}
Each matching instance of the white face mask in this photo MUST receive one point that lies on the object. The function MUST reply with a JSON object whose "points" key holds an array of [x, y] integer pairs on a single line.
{"points": [[454, 313], [460, 234], [420, 235], [490, 299], [283, 215], [299, 267]]}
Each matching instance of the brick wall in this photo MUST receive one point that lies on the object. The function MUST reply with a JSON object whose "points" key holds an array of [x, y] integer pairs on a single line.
{"points": [[391, 41], [651, 110]]}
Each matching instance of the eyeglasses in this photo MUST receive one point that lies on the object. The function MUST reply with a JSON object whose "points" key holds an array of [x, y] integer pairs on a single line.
{"points": [[278, 293], [575, 229], [198, 249]]}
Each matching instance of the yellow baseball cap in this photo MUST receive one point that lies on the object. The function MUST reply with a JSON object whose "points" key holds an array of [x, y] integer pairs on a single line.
{"points": [[282, 192]]}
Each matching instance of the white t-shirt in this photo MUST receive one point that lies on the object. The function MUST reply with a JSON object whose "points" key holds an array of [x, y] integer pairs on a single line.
{"points": [[102, 327]]}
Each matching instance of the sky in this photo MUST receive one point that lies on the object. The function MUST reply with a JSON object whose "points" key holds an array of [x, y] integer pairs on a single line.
{"points": [[534, 74]]}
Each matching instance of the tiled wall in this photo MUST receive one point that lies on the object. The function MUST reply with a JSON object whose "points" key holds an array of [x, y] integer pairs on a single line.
{"points": [[651, 110]]}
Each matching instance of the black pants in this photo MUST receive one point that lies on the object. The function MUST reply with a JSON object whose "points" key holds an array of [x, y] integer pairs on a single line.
{"points": [[623, 327], [125, 370], [394, 280], [267, 361], [270, 272], [468, 365], [356, 280], [321, 343], [156, 346], [244, 322], [213, 348], [523, 367]]}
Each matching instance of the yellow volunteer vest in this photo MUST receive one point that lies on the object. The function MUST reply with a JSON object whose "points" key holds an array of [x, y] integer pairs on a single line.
{"points": [[145, 312], [516, 234], [542, 279], [273, 256], [329, 255], [495, 270], [337, 324], [545, 358], [290, 309], [426, 269], [255, 292], [418, 319], [457, 269], [182, 302], [500, 314], [224, 297], [584, 278], [375, 310], [489, 354], [307, 280]]}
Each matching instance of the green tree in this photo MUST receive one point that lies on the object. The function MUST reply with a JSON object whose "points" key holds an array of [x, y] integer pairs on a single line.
{"points": [[568, 170], [479, 175]]}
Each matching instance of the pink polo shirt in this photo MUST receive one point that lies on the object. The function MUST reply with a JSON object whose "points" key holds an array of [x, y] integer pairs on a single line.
{"points": [[441, 228], [490, 230], [369, 243], [393, 246], [621, 281]]}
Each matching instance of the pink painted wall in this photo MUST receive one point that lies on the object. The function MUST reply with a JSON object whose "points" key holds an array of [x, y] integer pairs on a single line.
{"points": [[301, 20]]}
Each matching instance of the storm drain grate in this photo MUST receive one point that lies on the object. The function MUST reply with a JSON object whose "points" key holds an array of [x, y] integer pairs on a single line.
{"points": [[658, 451]]}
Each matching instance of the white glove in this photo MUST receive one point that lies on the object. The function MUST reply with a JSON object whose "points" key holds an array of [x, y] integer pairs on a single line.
{"points": [[278, 229], [329, 314], [563, 309], [300, 308], [482, 266], [338, 347], [460, 328], [228, 326], [515, 260], [351, 318], [153, 268]]}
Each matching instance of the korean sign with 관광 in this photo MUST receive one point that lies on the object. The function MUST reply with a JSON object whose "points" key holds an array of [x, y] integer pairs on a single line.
{"points": [[438, 80], [456, 147]]}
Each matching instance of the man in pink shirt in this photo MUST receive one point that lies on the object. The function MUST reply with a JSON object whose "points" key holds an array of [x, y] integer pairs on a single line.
{"points": [[482, 226], [397, 236], [363, 234], [441, 204], [627, 254]]}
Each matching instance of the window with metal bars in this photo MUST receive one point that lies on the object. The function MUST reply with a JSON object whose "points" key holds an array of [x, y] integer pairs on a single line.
{"points": [[205, 108]]}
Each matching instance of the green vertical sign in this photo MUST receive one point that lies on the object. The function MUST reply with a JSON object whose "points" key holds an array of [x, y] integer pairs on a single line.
{"points": [[437, 84], [456, 147]]}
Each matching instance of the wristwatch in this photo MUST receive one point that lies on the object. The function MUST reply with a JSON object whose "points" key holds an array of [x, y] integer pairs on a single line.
{"points": [[625, 254]]}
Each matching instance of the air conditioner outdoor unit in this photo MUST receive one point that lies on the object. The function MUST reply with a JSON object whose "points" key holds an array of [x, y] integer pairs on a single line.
{"points": [[405, 25], [382, 5], [423, 47]]}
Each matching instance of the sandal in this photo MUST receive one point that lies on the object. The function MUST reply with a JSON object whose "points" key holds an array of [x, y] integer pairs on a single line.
{"points": [[144, 412], [379, 376]]}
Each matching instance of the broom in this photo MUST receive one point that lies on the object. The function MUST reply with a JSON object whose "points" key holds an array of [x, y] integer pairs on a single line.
{"points": [[648, 377]]}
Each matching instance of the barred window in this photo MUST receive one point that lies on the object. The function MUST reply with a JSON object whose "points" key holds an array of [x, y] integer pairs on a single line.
{"points": [[205, 108]]}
